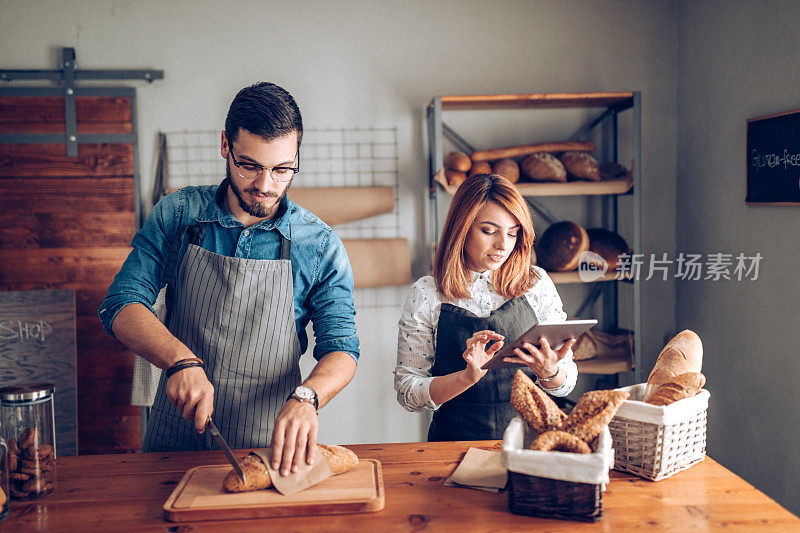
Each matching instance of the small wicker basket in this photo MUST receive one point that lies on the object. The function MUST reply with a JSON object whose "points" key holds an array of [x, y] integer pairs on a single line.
{"points": [[561, 485], [655, 442]]}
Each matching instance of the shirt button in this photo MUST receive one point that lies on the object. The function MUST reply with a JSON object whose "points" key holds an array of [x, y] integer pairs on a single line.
{"points": [[246, 233]]}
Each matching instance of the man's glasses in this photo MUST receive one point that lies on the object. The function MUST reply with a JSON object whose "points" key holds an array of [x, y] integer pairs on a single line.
{"points": [[251, 171]]}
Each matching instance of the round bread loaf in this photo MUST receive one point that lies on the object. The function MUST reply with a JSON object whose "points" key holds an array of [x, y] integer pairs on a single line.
{"points": [[581, 165], [608, 245], [457, 161], [543, 167], [480, 167], [454, 177], [560, 246], [611, 171], [508, 168]]}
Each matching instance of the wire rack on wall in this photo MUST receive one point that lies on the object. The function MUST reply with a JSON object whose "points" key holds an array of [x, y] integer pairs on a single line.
{"points": [[329, 157]]}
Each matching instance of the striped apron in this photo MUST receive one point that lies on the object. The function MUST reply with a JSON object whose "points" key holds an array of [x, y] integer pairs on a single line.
{"points": [[237, 315]]}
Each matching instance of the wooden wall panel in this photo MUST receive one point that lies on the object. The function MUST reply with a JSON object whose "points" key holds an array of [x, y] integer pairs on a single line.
{"points": [[51, 160], [61, 265], [67, 223], [37, 114], [78, 229], [72, 195]]}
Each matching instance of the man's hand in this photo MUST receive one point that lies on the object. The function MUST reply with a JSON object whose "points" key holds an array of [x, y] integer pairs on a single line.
{"points": [[294, 437], [190, 391]]}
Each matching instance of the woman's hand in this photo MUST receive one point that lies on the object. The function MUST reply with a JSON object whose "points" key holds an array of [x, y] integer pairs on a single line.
{"points": [[476, 353], [542, 361]]}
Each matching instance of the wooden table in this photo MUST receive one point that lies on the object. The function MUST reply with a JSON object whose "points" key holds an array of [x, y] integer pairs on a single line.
{"points": [[103, 493]]}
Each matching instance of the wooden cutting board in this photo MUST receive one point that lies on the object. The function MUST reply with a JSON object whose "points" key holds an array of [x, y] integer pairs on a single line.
{"points": [[199, 496]]}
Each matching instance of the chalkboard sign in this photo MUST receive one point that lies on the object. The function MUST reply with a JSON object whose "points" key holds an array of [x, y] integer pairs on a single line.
{"points": [[37, 344], [773, 159]]}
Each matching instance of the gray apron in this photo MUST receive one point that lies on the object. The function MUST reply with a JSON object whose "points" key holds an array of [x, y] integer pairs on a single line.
{"points": [[237, 315], [483, 411]]}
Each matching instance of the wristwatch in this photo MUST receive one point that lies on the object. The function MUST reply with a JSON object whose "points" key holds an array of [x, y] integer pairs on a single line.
{"points": [[305, 394]]}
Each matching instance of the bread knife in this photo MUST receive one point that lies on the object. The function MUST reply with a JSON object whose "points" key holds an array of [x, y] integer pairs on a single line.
{"points": [[226, 449]]}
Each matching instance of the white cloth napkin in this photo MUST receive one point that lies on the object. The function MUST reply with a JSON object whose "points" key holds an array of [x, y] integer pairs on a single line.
{"points": [[479, 469], [579, 468], [635, 409]]}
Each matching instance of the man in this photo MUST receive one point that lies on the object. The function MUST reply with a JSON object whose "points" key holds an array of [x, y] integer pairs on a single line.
{"points": [[246, 269]]}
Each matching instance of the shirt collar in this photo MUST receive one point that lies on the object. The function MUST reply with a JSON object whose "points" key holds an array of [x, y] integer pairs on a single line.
{"points": [[216, 212], [485, 276]]}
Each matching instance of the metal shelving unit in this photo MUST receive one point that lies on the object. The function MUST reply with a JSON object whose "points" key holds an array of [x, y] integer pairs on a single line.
{"points": [[609, 105]]}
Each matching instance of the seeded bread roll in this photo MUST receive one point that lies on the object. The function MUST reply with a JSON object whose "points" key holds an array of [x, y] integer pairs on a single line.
{"points": [[508, 168], [560, 441], [561, 245], [593, 412], [543, 167], [580, 165], [534, 405], [608, 245], [480, 167], [457, 161]]}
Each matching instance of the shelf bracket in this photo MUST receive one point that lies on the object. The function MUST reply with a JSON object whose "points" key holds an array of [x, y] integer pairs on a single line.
{"points": [[457, 139]]}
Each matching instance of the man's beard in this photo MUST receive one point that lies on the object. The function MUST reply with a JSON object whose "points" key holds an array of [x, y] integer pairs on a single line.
{"points": [[255, 209]]}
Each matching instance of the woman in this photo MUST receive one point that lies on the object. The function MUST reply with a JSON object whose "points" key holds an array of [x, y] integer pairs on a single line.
{"points": [[483, 290]]}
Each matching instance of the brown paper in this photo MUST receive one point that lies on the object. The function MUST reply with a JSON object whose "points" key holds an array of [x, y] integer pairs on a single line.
{"points": [[379, 262], [340, 205], [480, 469], [306, 475]]}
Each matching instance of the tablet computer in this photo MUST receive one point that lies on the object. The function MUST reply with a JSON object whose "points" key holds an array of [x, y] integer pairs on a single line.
{"points": [[555, 332]]}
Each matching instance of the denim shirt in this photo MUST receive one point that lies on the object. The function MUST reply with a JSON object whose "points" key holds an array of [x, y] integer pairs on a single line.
{"points": [[323, 278]]}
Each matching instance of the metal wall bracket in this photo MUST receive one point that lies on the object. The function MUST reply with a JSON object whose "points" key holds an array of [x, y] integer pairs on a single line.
{"points": [[66, 76]]}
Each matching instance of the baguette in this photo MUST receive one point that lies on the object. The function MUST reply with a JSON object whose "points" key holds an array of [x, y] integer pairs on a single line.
{"points": [[339, 458], [525, 149], [683, 353], [684, 386]]}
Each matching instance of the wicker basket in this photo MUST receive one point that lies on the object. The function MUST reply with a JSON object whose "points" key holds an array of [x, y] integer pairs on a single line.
{"points": [[534, 487], [655, 442]]}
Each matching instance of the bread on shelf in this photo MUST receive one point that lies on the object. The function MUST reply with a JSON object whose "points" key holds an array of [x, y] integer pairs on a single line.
{"points": [[508, 168], [608, 245], [580, 165], [457, 161], [543, 167], [560, 247]]}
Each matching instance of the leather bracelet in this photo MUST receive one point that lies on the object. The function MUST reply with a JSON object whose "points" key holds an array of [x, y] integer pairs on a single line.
{"points": [[548, 379], [183, 366], [197, 359]]}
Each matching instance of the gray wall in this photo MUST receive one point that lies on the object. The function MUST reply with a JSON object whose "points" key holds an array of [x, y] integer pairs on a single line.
{"points": [[377, 63], [736, 63], [702, 68]]}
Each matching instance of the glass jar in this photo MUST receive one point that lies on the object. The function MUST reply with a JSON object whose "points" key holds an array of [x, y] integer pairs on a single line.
{"points": [[28, 425], [4, 497]]}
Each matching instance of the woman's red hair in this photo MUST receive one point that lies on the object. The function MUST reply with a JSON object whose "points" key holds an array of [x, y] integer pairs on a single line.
{"points": [[515, 276]]}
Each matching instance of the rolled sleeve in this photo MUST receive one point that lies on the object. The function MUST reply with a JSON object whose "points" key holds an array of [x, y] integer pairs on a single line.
{"points": [[142, 274], [332, 310]]}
